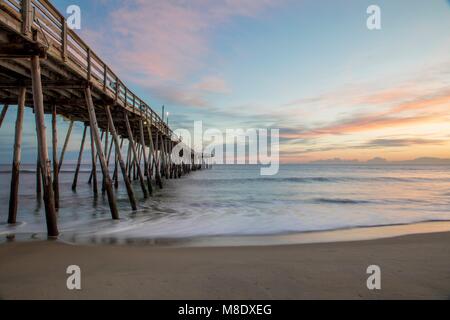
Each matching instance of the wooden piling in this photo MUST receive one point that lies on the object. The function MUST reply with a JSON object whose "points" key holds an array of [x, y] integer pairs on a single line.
{"points": [[129, 160], [66, 143], [13, 196], [115, 138], [139, 150], [94, 126], [55, 158], [166, 159], [116, 170], [133, 149], [149, 178], [95, 160], [94, 164], [80, 157], [38, 178], [158, 163], [111, 144], [151, 148], [107, 161], [136, 161], [162, 158], [50, 211], [169, 157], [3, 114]]}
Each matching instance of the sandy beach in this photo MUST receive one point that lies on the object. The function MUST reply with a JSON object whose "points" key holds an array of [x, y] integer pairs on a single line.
{"points": [[413, 267]]}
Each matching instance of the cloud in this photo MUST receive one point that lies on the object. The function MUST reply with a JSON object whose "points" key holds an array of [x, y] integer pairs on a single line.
{"points": [[384, 96], [212, 84], [394, 143], [181, 96], [424, 102], [310, 147], [164, 44], [426, 108], [358, 124]]}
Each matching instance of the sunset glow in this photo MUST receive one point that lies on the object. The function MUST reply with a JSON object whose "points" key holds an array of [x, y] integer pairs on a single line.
{"points": [[311, 68]]}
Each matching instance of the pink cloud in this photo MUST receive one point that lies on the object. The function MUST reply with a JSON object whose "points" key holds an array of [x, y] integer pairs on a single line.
{"points": [[165, 43], [161, 39], [212, 84]]}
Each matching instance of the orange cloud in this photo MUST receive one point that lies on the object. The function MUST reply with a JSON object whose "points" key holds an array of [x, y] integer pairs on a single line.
{"points": [[439, 99], [391, 118], [386, 96]]}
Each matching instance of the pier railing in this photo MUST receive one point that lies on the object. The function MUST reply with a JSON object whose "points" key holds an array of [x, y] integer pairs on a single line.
{"points": [[64, 44]]}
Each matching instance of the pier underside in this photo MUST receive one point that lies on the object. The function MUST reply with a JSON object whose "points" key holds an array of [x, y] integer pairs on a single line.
{"points": [[47, 67]]}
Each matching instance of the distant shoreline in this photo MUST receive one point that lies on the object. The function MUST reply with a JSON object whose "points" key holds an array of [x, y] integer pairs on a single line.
{"points": [[377, 161], [66, 168]]}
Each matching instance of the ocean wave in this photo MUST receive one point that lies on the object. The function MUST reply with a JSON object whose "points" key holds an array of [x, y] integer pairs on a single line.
{"points": [[339, 201], [322, 179]]}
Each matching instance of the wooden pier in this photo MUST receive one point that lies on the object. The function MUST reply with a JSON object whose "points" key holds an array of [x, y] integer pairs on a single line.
{"points": [[47, 67]]}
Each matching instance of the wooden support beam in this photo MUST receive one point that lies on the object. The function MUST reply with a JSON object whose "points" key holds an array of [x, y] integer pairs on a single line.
{"points": [[50, 211], [94, 163], [111, 145], [169, 158], [133, 149], [66, 143], [64, 39], [116, 170], [74, 102], [149, 177], [129, 160], [139, 148], [19, 51], [162, 153], [55, 158], [108, 182], [158, 162], [168, 176], [107, 159], [168, 164], [89, 64], [80, 157], [166, 160], [47, 84], [115, 139], [151, 162], [135, 162], [3, 114], [27, 21], [38, 178], [13, 196]]}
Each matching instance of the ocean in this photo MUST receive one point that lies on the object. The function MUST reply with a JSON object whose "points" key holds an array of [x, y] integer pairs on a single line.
{"points": [[237, 201]]}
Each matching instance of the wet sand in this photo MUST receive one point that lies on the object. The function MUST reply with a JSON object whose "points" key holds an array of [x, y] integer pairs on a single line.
{"points": [[413, 267]]}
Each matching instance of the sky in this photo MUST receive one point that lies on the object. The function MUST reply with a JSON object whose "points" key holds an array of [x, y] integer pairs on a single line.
{"points": [[310, 68]]}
